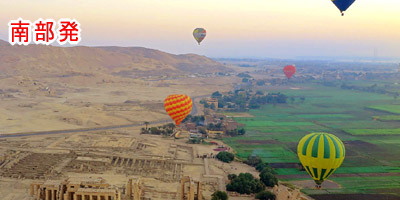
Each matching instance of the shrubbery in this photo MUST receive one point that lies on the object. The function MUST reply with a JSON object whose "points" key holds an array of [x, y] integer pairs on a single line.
{"points": [[245, 183], [219, 195], [266, 172], [225, 156], [268, 178], [253, 160], [265, 195]]}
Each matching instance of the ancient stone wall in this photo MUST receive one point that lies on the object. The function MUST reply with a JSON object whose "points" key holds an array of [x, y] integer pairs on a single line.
{"points": [[190, 189], [285, 193], [35, 166], [165, 170], [81, 189]]}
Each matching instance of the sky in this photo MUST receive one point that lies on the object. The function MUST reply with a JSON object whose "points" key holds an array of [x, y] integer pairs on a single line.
{"points": [[235, 28]]}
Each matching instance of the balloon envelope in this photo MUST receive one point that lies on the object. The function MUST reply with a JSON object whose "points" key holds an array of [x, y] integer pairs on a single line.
{"points": [[178, 106], [289, 71], [343, 5], [320, 154], [199, 34]]}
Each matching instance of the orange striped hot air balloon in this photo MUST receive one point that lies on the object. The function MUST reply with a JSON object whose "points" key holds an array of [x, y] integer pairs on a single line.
{"points": [[178, 106]]}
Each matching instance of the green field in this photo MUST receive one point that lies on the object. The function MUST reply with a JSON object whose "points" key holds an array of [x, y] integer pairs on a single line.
{"points": [[388, 117], [372, 146], [362, 183], [373, 131], [387, 108], [351, 185]]}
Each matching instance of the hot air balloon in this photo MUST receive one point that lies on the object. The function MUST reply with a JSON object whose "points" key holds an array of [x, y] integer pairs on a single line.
{"points": [[178, 106], [289, 71], [320, 154], [343, 5], [199, 34]]}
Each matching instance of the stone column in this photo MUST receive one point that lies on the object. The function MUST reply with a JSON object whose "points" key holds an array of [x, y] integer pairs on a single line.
{"points": [[182, 188], [191, 191], [31, 189], [36, 189], [47, 194], [75, 197], [199, 194], [119, 195], [129, 188], [38, 193], [67, 195], [136, 191], [61, 193], [52, 192], [91, 197]]}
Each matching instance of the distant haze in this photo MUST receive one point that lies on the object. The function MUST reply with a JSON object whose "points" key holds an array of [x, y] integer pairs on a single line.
{"points": [[236, 28]]}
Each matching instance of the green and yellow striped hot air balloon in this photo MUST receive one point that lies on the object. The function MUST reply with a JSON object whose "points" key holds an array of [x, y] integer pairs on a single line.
{"points": [[320, 154]]}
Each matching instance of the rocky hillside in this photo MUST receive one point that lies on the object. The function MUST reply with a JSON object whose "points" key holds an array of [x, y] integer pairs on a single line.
{"points": [[41, 60]]}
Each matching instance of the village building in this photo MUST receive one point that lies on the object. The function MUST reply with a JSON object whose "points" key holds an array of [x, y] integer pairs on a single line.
{"points": [[190, 126], [214, 134], [230, 125], [212, 101]]}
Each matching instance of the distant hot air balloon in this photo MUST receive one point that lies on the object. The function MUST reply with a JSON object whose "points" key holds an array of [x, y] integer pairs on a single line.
{"points": [[178, 106], [199, 34], [289, 71], [320, 154], [343, 5]]}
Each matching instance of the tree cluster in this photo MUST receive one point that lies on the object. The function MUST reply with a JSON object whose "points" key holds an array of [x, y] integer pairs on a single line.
{"points": [[301, 99], [372, 88], [216, 94], [276, 98], [243, 75], [245, 183], [268, 178], [241, 100], [266, 195], [225, 156], [235, 132], [167, 129], [215, 127], [196, 141], [198, 120], [219, 195], [267, 173]]}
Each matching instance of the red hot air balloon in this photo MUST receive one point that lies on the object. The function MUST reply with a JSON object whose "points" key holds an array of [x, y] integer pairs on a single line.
{"points": [[289, 71]]}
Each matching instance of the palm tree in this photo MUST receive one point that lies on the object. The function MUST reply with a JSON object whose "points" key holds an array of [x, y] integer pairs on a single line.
{"points": [[171, 126], [146, 123]]}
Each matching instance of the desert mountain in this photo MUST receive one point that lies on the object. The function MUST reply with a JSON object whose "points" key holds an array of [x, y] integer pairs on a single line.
{"points": [[120, 61], [4, 43]]}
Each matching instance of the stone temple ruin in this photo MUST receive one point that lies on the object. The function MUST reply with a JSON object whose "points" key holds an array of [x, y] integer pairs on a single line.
{"points": [[98, 189], [193, 189], [132, 168], [163, 169], [74, 189], [33, 165]]}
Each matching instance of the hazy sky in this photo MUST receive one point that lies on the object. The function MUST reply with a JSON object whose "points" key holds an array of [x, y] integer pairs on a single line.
{"points": [[235, 28]]}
